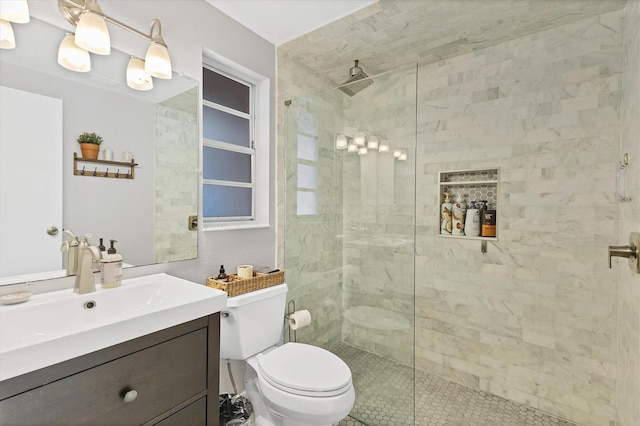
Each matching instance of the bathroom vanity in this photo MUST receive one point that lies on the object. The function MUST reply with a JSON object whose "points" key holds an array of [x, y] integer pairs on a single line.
{"points": [[168, 376]]}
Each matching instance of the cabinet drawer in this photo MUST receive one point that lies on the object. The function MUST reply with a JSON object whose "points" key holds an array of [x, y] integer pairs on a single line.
{"points": [[194, 414], [163, 376]]}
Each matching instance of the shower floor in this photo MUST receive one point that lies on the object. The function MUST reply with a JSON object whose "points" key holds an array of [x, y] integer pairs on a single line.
{"points": [[384, 390]]}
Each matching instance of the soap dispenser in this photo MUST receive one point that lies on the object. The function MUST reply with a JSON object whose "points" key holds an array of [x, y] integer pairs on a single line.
{"points": [[458, 212], [111, 267], [445, 215], [472, 221]]}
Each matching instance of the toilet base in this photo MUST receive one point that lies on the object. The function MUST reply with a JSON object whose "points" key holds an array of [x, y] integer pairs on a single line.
{"points": [[262, 415]]}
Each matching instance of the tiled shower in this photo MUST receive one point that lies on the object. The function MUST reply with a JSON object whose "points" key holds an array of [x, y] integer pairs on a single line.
{"points": [[537, 320]]}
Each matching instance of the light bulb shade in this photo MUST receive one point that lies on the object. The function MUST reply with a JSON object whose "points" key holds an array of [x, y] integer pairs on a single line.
{"points": [[363, 150], [403, 155], [384, 146], [137, 77], [352, 147], [341, 142], [359, 138], [7, 39], [73, 57], [372, 142], [157, 62], [397, 153], [14, 11], [92, 33]]}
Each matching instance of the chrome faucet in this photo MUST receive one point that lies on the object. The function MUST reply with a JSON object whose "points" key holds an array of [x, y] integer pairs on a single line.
{"points": [[85, 282]]}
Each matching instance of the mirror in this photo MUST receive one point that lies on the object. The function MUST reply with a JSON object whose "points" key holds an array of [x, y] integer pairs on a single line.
{"points": [[146, 215]]}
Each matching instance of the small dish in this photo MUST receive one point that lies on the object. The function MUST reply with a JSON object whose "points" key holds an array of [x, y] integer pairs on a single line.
{"points": [[13, 298]]}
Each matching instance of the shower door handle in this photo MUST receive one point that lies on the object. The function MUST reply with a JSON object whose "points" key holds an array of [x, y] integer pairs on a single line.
{"points": [[631, 252]]}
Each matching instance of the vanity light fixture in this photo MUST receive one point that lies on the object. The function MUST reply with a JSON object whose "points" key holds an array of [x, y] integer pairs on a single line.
{"points": [[372, 142], [137, 77], [11, 11], [359, 138], [363, 150], [92, 35], [14, 11], [7, 38], [397, 153], [73, 57], [157, 62], [403, 155], [384, 146], [352, 147], [341, 142]]}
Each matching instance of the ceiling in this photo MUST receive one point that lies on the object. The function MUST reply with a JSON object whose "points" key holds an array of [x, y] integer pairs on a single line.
{"points": [[328, 35], [279, 21]]}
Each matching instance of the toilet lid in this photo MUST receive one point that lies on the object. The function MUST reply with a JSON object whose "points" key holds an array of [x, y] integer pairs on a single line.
{"points": [[305, 370]]}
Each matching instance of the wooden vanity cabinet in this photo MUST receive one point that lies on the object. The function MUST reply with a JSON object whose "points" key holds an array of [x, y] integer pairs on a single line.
{"points": [[169, 377]]}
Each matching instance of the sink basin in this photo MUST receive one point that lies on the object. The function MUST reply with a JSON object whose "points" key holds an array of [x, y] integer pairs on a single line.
{"points": [[60, 325]]}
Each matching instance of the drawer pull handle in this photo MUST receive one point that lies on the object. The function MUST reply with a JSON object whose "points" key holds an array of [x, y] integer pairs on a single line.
{"points": [[130, 396]]}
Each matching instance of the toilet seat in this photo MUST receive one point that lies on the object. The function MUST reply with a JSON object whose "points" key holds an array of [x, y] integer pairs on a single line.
{"points": [[305, 370]]}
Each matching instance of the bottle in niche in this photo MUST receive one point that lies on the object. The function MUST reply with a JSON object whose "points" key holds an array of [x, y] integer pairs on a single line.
{"points": [[458, 212], [445, 215], [488, 226], [482, 206], [472, 221]]}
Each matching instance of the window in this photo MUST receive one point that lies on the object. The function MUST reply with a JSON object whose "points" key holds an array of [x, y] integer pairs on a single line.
{"points": [[307, 182], [235, 151]]}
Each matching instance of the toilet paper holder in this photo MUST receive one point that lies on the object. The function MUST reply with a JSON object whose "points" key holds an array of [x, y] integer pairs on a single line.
{"points": [[291, 309]]}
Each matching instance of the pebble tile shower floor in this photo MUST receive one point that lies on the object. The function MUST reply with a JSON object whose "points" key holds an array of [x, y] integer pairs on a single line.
{"points": [[384, 391]]}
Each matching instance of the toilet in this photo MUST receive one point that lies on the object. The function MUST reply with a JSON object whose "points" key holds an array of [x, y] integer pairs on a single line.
{"points": [[294, 384]]}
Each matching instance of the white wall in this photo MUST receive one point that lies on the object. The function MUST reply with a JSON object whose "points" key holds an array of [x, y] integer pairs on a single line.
{"points": [[189, 26]]}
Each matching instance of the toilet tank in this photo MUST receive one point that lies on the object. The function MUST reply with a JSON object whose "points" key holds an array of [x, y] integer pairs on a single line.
{"points": [[252, 322]]}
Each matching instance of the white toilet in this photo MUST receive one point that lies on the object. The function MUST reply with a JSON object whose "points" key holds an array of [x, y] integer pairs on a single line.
{"points": [[290, 385]]}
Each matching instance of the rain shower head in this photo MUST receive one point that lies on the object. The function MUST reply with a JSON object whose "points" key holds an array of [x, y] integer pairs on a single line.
{"points": [[357, 81]]}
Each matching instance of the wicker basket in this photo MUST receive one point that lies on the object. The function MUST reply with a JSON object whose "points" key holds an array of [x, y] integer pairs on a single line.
{"points": [[236, 286]]}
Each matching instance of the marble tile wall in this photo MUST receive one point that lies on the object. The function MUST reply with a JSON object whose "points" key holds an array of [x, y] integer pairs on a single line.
{"points": [[539, 319], [628, 394], [176, 184], [533, 320], [389, 34]]}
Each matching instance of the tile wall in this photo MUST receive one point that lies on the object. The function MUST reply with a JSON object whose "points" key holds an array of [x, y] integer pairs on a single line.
{"points": [[533, 320], [539, 319], [176, 190], [628, 395]]}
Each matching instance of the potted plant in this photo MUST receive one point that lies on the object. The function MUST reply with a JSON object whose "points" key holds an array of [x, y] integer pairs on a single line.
{"points": [[90, 145]]}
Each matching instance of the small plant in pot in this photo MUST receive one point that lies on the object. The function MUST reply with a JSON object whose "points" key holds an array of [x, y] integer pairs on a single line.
{"points": [[90, 145]]}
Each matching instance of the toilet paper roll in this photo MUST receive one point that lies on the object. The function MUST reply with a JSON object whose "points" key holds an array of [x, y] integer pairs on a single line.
{"points": [[299, 319], [245, 271]]}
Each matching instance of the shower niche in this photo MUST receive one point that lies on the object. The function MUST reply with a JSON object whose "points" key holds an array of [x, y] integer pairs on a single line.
{"points": [[474, 185]]}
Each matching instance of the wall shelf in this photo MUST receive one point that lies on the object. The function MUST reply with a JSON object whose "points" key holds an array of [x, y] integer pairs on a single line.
{"points": [[464, 237], [473, 185], [101, 168]]}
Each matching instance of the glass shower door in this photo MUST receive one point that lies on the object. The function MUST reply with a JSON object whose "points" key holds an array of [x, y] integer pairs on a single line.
{"points": [[350, 232]]}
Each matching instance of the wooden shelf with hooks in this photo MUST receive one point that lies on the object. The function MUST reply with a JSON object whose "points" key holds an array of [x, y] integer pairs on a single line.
{"points": [[103, 172]]}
